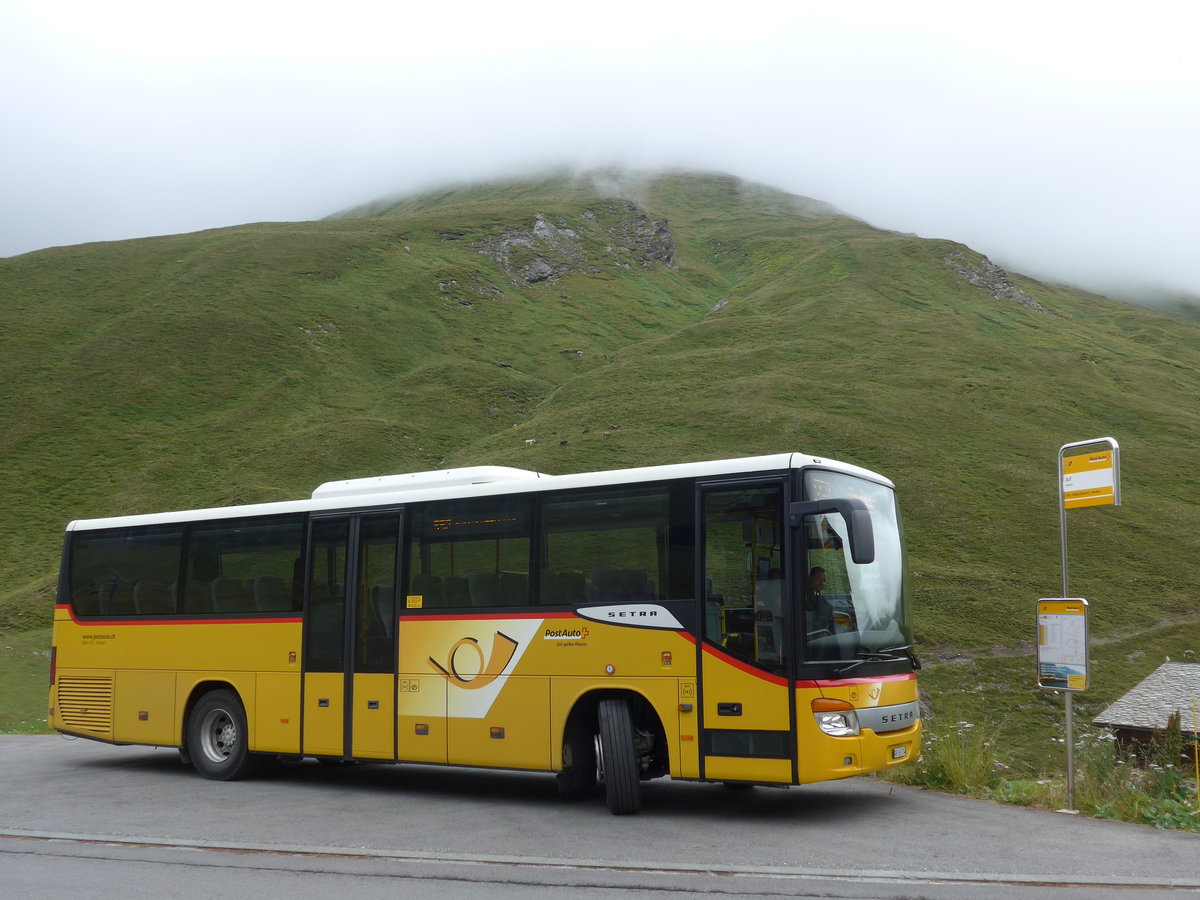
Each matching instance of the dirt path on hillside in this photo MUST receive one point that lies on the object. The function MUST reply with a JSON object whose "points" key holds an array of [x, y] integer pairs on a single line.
{"points": [[945, 654]]}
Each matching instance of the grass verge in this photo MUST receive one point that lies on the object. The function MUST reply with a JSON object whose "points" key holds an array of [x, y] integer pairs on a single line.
{"points": [[25, 674], [1157, 789]]}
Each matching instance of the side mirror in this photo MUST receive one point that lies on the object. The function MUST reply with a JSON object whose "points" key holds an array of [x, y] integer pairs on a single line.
{"points": [[857, 517]]}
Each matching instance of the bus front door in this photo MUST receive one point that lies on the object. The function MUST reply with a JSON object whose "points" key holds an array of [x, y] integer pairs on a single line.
{"points": [[748, 716], [350, 638]]}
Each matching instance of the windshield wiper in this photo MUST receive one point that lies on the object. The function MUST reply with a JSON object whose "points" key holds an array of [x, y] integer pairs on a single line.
{"points": [[906, 649], [882, 655]]}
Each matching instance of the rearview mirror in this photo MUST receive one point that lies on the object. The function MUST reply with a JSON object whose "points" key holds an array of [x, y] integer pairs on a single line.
{"points": [[860, 531]]}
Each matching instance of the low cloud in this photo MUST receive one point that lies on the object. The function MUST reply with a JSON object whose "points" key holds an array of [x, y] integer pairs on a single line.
{"points": [[1064, 150]]}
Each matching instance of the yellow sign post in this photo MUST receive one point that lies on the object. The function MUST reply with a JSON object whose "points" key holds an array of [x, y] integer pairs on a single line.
{"points": [[1088, 478]]}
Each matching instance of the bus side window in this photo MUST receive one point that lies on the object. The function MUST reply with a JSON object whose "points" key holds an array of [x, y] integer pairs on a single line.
{"points": [[238, 566], [605, 546], [125, 571], [470, 553]]}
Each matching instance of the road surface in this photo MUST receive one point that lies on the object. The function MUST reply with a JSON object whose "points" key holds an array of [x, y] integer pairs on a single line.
{"points": [[82, 819]]}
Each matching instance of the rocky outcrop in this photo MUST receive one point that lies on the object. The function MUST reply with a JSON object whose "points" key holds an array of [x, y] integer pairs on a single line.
{"points": [[540, 253], [984, 273], [644, 241], [616, 233]]}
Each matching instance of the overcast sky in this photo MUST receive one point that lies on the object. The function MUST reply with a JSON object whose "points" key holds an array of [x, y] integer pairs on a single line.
{"points": [[1062, 139]]}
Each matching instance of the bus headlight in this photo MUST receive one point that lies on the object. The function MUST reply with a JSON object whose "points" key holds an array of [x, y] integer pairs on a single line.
{"points": [[835, 717]]}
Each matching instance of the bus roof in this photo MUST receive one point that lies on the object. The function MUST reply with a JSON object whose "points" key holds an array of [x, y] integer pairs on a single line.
{"points": [[476, 481]]}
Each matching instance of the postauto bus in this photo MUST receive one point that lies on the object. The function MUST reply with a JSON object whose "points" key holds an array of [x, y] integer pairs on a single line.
{"points": [[744, 621]]}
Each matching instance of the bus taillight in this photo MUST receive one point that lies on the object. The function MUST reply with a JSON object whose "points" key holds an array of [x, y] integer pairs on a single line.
{"points": [[53, 664]]}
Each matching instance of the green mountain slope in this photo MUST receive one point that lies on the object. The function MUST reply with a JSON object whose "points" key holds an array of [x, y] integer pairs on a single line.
{"points": [[613, 322]]}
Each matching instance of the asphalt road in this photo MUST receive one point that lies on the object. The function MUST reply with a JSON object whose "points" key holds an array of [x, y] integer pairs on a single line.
{"points": [[79, 818]]}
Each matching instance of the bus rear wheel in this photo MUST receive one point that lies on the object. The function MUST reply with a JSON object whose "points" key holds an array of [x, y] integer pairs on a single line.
{"points": [[618, 759], [217, 739]]}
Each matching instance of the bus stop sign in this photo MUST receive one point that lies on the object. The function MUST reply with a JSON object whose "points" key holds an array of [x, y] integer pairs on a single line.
{"points": [[1091, 479]]}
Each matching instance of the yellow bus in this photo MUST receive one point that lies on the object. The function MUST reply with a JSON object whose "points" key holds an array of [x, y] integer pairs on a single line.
{"points": [[744, 621]]}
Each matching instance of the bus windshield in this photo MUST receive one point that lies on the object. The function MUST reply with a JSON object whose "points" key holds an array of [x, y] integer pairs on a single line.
{"points": [[854, 612]]}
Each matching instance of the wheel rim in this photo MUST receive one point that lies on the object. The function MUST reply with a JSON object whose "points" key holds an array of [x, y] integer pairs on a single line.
{"points": [[218, 735], [599, 758]]}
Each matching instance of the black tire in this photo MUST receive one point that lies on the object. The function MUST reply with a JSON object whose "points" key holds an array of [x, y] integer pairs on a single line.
{"points": [[618, 759], [217, 738]]}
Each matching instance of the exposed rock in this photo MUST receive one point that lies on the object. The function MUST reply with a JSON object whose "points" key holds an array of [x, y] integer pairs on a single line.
{"points": [[649, 242], [537, 270], [539, 254], [984, 273], [321, 330], [547, 251]]}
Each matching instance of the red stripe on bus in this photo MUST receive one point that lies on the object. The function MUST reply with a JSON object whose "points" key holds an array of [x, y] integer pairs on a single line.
{"points": [[745, 667]]}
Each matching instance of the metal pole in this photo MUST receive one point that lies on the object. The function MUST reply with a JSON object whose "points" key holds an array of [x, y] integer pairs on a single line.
{"points": [[1196, 752], [1070, 751], [1115, 448], [1068, 707]]}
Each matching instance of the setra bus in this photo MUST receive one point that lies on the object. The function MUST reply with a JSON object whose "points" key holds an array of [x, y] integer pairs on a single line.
{"points": [[744, 621]]}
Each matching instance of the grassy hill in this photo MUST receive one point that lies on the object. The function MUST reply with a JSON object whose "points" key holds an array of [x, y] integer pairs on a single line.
{"points": [[689, 316]]}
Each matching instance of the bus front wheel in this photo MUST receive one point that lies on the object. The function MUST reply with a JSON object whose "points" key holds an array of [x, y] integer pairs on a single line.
{"points": [[618, 763], [217, 737]]}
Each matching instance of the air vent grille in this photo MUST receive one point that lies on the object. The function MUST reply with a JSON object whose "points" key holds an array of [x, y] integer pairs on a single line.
{"points": [[85, 703]]}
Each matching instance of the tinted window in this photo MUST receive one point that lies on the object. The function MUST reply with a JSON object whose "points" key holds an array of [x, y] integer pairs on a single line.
{"points": [[325, 628], [243, 565], [125, 571], [375, 605], [470, 553], [605, 546]]}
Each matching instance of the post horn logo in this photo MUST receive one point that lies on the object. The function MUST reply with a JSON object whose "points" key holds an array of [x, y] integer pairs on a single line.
{"points": [[503, 648]]}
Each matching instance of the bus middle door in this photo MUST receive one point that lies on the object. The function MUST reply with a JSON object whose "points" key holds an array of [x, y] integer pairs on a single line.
{"points": [[350, 638]]}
